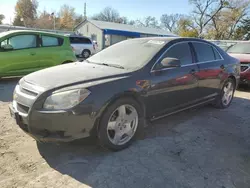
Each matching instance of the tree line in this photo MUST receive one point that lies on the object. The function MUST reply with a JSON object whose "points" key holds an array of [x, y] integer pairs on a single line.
{"points": [[210, 19]]}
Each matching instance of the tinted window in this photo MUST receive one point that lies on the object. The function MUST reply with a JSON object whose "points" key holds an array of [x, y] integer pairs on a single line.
{"points": [[216, 54], [23, 41], [79, 40], [50, 41], [180, 51], [204, 52]]}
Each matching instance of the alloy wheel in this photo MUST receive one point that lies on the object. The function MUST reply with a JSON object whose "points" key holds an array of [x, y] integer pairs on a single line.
{"points": [[228, 93], [122, 124], [85, 54]]}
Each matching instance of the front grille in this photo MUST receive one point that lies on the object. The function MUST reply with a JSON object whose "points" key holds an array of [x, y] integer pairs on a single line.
{"points": [[25, 95], [243, 68]]}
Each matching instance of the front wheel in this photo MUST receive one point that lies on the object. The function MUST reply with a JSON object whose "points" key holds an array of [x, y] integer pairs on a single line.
{"points": [[225, 98], [120, 124]]}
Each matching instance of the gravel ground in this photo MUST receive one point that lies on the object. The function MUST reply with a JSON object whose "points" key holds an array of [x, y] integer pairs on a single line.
{"points": [[205, 147]]}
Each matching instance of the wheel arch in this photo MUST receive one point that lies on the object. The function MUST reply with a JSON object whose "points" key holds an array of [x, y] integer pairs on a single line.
{"points": [[67, 61], [86, 50], [127, 94], [224, 80], [234, 79]]}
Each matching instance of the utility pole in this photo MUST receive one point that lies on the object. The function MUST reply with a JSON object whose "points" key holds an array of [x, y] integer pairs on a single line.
{"points": [[85, 14], [54, 19]]}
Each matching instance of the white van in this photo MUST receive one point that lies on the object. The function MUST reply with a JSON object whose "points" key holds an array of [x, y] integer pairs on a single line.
{"points": [[83, 46]]}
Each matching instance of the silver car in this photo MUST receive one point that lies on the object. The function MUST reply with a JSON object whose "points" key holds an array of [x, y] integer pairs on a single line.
{"points": [[83, 46]]}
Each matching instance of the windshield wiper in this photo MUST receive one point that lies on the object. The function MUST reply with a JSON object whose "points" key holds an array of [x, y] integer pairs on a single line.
{"points": [[113, 65], [105, 64]]}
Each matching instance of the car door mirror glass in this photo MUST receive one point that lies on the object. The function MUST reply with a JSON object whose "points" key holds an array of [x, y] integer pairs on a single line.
{"points": [[7, 47], [169, 62]]}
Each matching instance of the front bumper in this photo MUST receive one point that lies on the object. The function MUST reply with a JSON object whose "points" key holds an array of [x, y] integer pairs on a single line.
{"points": [[54, 126]]}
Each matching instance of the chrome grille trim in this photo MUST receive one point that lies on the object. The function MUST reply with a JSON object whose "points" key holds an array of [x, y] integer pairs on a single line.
{"points": [[246, 67]]}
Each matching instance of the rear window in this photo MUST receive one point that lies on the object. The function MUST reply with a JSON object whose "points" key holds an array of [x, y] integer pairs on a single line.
{"points": [[51, 41], [79, 40]]}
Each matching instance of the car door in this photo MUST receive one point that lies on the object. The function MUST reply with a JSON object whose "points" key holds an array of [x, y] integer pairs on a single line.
{"points": [[173, 88], [22, 58], [211, 68], [50, 51]]}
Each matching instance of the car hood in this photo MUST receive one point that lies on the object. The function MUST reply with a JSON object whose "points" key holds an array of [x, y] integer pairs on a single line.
{"points": [[78, 72], [244, 58]]}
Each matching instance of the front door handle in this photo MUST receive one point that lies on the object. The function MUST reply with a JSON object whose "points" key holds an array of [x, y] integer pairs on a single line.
{"points": [[32, 53]]}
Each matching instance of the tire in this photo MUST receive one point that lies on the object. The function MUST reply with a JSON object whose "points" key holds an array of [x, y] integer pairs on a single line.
{"points": [[127, 131], [85, 53], [66, 62], [220, 100]]}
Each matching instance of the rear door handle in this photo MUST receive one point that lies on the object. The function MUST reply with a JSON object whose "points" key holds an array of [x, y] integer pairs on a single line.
{"points": [[222, 67], [32, 53]]}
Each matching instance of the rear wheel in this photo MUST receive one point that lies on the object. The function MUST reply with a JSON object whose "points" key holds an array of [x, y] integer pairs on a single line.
{"points": [[226, 96], [120, 124], [85, 53], [65, 62]]}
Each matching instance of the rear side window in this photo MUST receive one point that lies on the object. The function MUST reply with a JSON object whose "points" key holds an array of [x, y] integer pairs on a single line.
{"points": [[23, 41], [204, 52], [79, 40], [51, 41], [216, 54]]}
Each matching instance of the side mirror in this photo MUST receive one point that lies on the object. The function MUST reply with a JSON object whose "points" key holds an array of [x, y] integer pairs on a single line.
{"points": [[7, 47], [169, 62]]}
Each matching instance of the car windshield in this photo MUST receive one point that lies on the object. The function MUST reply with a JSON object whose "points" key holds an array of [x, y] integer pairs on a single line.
{"points": [[129, 54], [240, 48]]}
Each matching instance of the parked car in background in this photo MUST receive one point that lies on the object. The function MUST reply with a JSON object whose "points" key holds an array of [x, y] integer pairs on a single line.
{"points": [[83, 46], [23, 52], [112, 93], [241, 51]]}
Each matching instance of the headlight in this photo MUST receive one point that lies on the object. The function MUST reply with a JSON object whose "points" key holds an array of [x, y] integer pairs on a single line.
{"points": [[65, 99]]}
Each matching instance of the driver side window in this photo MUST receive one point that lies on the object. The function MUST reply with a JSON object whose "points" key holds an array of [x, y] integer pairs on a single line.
{"points": [[179, 51], [5, 42]]}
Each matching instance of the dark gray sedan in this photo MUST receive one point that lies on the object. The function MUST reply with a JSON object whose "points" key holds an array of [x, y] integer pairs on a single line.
{"points": [[111, 94]]}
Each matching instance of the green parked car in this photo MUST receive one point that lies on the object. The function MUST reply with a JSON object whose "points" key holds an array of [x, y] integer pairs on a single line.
{"points": [[23, 52]]}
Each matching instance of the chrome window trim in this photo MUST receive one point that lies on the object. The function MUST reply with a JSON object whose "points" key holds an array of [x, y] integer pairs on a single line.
{"points": [[202, 62], [152, 68]]}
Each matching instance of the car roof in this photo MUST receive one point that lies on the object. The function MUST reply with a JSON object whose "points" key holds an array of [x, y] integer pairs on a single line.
{"points": [[174, 39], [76, 36], [29, 31]]}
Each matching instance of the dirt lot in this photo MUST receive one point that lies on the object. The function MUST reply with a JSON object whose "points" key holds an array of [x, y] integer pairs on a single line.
{"points": [[199, 148]]}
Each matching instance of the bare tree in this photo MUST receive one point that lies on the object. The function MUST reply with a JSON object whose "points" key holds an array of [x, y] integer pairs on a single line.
{"points": [[205, 10], [148, 21], [108, 14], [1, 18], [170, 21], [226, 22]]}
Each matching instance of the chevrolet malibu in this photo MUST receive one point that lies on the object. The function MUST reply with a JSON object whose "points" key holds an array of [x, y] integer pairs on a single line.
{"points": [[112, 94]]}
